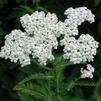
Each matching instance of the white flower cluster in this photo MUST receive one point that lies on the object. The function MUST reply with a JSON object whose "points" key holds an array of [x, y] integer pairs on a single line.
{"points": [[19, 46], [87, 73], [84, 48], [43, 24], [38, 41], [80, 50], [40, 38], [44, 28], [75, 17], [15, 47]]}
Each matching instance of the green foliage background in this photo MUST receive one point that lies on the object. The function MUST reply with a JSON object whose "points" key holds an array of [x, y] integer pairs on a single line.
{"points": [[34, 82]]}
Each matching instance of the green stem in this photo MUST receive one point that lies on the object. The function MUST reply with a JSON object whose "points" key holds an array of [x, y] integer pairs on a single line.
{"points": [[50, 94], [57, 82]]}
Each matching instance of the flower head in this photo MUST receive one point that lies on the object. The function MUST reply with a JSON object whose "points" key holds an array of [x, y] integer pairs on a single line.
{"points": [[15, 47], [87, 73], [38, 41], [82, 50], [40, 38], [75, 17], [40, 23]]}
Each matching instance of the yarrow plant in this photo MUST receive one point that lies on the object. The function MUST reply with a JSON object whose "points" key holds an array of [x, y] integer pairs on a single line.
{"points": [[44, 33], [40, 38]]}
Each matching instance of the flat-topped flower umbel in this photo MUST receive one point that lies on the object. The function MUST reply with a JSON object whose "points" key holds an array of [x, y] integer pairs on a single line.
{"points": [[41, 38]]}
